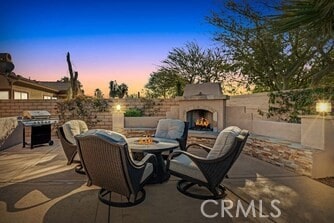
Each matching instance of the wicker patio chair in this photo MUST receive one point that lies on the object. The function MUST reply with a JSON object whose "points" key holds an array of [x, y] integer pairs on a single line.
{"points": [[109, 165], [66, 134], [211, 170], [173, 129]]}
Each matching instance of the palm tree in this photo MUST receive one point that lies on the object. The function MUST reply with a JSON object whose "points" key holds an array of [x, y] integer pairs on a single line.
{"points": [[316, 16]]}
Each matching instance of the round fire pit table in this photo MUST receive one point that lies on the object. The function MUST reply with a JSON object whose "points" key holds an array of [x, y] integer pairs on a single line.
{"points": [[156, 147]]}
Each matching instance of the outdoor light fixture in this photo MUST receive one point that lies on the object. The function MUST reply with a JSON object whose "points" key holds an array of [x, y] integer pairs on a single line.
{"points": [[323, 107], [118, 107]]}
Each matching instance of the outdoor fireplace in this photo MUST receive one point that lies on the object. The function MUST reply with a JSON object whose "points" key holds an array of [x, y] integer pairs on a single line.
{"points": [[200, 119], [203, 106]]}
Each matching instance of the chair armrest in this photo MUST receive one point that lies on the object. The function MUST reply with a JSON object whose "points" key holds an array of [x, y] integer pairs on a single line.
{"points": [[191, 156], [206, 148], [147, 158], [194, 158], [182, 142]]}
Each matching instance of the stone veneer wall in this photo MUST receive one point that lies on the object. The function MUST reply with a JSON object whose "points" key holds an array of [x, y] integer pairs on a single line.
{"points": [[291, 156], [154, 107], [286, 154], [16, 107], [201, 140], [9, 108]]}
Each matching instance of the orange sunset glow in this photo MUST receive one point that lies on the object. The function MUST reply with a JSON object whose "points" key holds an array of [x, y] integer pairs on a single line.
{"points": [[122, 41]]}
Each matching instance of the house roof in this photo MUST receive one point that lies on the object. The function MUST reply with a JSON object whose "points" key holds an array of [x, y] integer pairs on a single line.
{"points": [[58, 85], [22, 81], [50, 86]]}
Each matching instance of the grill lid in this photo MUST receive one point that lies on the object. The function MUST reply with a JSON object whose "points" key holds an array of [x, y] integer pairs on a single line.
{"points": [[37, 114]]}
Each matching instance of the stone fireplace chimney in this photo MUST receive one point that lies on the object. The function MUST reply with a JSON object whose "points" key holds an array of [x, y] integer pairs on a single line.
{"points": [[203, 103]]}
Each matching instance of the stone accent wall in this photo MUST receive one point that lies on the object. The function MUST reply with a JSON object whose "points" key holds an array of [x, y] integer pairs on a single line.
{"points": [[201, 140], [104, 120], [291, 156], [138, 132], [10, 108], [14, 108]]}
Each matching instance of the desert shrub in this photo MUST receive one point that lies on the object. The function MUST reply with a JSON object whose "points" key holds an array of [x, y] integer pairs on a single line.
{"points": [[84, 108], [133, 112]]}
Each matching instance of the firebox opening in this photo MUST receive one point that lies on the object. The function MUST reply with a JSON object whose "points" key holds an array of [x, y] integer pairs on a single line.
{"points": [[200, 120]]}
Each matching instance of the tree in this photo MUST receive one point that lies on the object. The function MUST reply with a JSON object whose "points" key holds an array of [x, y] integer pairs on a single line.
{"points": [[164, 83], [270, 61], [75, 86], [316, 16], [196, 65], [98, 93], [188, 65], [123, 90], [117, 90]]}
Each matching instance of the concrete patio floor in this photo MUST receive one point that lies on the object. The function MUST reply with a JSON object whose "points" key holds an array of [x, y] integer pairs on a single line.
{"points": [[37, 186]]}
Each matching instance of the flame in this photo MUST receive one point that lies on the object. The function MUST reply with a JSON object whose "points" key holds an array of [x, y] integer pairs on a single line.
{"points": [[147, 140], [202, 122]]}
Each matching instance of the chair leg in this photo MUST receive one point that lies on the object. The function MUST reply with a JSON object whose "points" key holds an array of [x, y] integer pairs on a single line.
{"points": [[105, 197], [80, 170], [217, 193]]}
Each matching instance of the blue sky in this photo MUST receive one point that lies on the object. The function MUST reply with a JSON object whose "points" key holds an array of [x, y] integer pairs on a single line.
{"points": [[108, 40]]}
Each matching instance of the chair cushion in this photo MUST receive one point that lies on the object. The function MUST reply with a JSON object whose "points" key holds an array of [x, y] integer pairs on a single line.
{"points": [[73, 128], [224, 142], [111, 136], [170, 128], [184, 165]]}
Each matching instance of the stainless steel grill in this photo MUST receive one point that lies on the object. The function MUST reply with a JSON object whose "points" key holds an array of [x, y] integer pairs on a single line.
{"points": [[40, 123]]}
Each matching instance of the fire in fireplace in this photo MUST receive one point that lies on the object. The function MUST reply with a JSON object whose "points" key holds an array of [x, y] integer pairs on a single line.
{"points": [[202, 123], [200, 120]]}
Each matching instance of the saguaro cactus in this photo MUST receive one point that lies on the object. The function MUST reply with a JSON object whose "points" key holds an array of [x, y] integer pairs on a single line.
{"points": [[73, 77]]}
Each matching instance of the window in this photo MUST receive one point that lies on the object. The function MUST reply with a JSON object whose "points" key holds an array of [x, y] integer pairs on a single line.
{"points": [[4, 95], [46, 97], [20, 95]]}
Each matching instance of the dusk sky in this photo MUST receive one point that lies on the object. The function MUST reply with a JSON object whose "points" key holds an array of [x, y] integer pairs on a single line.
{"points": [[108, 40]]}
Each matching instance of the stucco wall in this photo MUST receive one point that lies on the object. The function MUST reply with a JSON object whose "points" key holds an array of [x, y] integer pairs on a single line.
{"points": [[142, 122], [251, 102], [237, 115]]}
